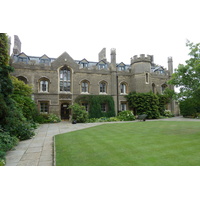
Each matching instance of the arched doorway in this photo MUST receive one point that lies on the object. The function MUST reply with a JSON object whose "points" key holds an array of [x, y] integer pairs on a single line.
{"points": [[65, 112]]}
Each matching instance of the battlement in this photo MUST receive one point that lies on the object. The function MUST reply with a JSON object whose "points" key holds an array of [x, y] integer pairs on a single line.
{"points": [[142, 58]]}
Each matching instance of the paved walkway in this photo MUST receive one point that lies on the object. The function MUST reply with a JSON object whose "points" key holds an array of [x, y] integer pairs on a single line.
{"points": [[38, 151]]}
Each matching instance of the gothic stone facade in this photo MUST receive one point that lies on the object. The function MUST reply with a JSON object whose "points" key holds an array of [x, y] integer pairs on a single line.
{"points": [[58, 81]]}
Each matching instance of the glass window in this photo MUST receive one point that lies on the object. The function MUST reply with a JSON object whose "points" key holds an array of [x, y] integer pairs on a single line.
{"points": [[44, 107], [65, 79], [86, 106], [103, 107], [123, 106], [44, 86], [123, 88], [147, 78], [103, 88], [21, 59], [84, 86]]}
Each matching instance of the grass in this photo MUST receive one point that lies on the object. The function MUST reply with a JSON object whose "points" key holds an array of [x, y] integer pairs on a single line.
{"points": [[131, 144]]}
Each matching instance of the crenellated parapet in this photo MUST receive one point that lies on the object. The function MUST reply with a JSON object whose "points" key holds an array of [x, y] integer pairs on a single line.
{"points": [[142, 58]]}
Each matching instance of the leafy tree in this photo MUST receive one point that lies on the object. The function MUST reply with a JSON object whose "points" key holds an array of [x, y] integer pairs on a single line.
{"points": [[22, 96], [187, 77]]}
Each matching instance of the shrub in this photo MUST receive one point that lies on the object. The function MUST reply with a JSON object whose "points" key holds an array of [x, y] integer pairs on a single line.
{"points": [[167, 113], [126, 116], [6, 141], [79, 113], [47, 118]]}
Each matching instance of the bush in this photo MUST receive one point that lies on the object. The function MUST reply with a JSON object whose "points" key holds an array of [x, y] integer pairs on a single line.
{"points": [[126, 116], [47, 118], [79, 113], [6, 143], [167, 113]]}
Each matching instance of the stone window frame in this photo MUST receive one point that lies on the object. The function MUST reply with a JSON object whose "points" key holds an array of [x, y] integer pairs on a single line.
{"points": [[146, 77], [153, 88], [123, 83], [104, 107], [44, 107], [103, 87], [87, 91], [86, 105], [121, 105], [23, 78], [163, 87], [66, 79], [47, 84]]}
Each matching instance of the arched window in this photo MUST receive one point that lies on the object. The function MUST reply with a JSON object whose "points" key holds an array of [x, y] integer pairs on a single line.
{"points": [[65, 79], [103, 87], [22, 78], [85, 86], [44, 85], [123, 88], [163, 87]]}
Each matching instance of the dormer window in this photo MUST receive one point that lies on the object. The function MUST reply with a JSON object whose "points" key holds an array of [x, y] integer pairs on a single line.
{"points": [[20, 59], [45, 61], [83, 63], [102, 65]]}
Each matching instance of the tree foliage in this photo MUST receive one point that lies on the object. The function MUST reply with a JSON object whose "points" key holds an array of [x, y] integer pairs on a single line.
{"points": [[187, 76]]}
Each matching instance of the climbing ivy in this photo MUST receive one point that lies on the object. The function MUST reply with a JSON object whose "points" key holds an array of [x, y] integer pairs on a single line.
{"points": [[94, 102], [144, 103]]}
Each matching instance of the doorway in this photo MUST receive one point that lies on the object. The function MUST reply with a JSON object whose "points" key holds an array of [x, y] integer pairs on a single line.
{"points": [[65, 112]]}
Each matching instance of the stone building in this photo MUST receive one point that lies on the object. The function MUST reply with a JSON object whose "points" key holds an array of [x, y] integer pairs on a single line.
{"points": [[57, 82]]}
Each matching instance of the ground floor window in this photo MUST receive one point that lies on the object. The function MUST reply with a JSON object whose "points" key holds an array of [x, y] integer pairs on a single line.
{"points": [[44, 107], [103, 107], [86, 106], [123, 106]]}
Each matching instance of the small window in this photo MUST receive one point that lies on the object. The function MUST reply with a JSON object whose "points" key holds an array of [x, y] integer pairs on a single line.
{"points": [[147, 78], [103, 107], [163, 87], [84, 87], [84, 65], [45, 61], [44, 85], [44, 107], [86, 106], [103, 87], [123, 106], [153, 88], [123, 88], [22, 59]]}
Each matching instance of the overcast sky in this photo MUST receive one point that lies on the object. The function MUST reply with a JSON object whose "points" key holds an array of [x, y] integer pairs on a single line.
{"points": [[83, 27]]}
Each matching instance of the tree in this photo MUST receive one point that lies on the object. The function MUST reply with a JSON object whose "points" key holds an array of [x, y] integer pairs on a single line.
{"points": [[187, 77]]}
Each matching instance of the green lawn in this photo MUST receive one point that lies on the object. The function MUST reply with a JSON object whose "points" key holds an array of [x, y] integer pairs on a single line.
{"points": [[131, 144]]}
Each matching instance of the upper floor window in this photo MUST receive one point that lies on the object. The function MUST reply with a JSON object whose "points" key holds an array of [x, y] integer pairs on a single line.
{"points": [[153, 88], [44, 85], [163, 87], [84, 86], [84, 65], [65, 79], [22, 59], [103, 87], [45, 61], [147, 78], [22, 78], [123, 88]]}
